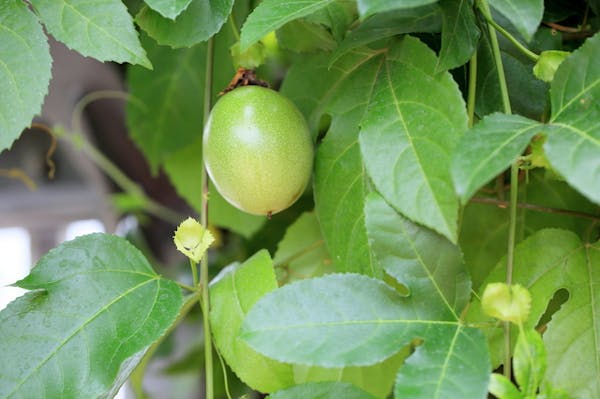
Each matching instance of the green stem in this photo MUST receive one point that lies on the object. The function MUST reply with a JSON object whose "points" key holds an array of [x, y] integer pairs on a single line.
{"points": [[528, 53], [194, 269], [208, 360], [234, 28], [472, 89], [117, 176], [514, 176], [485, 9]]}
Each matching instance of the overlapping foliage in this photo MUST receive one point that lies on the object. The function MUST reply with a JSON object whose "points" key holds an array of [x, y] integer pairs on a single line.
{"points": [[375, 291]]}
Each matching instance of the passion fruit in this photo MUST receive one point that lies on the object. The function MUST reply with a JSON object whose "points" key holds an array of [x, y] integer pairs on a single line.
{"points": [[257, 149]]}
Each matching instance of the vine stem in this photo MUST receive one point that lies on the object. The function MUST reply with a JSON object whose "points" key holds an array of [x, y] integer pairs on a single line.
{"points": [[528, 53], [472, 89], [118, 177], [514, 175], [205, 304], [537, 208]]}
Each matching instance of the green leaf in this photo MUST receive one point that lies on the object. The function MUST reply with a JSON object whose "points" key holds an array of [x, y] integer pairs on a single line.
{"points": [[409, 133], [369, 7], [460, 34], [232, 294], [321, 390], [95, 308], [529, 361], [525, 15], [168, 8], [163, 114], [548, 63], [273, 14], [427, 18], [302, 252], [184, 169], [25, 72], [437, 280], [455, 367], [488, 148], [484, 228], [101, 29], [200, 21], [350, 319], [528, 95], [545, 262], [302, 36], [339, 188], [573, 144], [503, 388]]}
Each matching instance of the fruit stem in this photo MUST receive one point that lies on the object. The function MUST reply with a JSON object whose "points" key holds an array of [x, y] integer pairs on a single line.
{"points": [[514, 175], [208, 360]]}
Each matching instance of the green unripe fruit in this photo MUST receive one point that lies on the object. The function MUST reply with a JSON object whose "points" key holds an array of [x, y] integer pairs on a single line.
{"points": [[257, 150]]}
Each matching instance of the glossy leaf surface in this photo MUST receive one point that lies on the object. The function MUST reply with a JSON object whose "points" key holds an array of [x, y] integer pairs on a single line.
{"points": [[232, 295], [197, 23], [437, 281], [95, 307], [273, 14], [427, 18], [168, 8], [369, 7], [318, 390], [525, 15], [23, 54], [409, 133], [489, 148], [460, 34], [153, 118], [573, 145], [342, 94], [102, 29]]}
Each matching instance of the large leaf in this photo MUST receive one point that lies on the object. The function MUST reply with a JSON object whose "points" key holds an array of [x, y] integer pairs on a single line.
{"points": [[302, 252], [525, 15], [369, 7], [344, 319], [23, 54], [101, 29], [95, 308], [317, 390], [489, 148], [409, 133], [273, 14], [168, 8], [341, 93], [437, 280], [197, 23], [573, 145], [460, 34], [427, 18], [163, 114], [547, 261], [232, 294]]}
